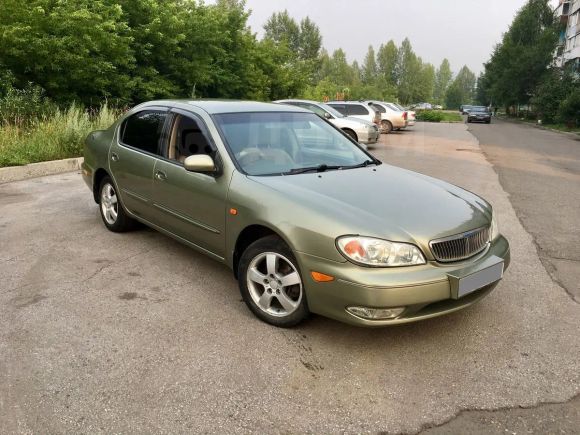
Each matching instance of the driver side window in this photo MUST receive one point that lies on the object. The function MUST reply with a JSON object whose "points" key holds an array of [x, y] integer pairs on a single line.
{"points": [[186, 139]]}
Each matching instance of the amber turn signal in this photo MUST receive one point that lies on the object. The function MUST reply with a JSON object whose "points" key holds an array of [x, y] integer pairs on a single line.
{"points": [[321, 277], [233, 211]]}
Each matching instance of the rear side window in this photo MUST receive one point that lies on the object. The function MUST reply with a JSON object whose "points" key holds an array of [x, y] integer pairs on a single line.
{"points": [[143, 130], [340, 107], [357, 109], [379, 108]]}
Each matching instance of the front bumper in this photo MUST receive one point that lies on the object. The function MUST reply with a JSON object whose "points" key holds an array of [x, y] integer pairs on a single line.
{"points": [[369, 137], [425, 291], [478, 119]]}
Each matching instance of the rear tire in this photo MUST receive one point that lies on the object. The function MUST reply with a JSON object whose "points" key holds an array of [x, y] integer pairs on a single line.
{"points": [[271, 283], [112, 211], [387, 127]]}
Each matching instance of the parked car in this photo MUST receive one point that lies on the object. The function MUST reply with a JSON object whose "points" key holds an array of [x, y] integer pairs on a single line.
{"points": [[438, 107], [307, 220], [411, 115], [479, 114], [464, 109], [423, 106], [391, 117], [357, 109], [362, 131]]}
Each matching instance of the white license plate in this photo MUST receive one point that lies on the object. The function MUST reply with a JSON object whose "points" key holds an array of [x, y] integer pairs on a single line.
{"points": [[479, 279]]}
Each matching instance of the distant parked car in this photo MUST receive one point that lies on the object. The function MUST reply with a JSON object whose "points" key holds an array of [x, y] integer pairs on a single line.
{"points": [[360, 130], [357, 109], [423, 106], [438, 107], [411, 115], [391, 117], [464, 109], [479, 114]]}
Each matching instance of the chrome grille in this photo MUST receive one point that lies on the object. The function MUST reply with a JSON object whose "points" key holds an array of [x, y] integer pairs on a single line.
{"points": [[460, 246]]}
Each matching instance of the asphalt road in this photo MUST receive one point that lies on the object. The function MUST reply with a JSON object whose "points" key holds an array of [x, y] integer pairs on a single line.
{"points": [[541, 172], [132, 333]]}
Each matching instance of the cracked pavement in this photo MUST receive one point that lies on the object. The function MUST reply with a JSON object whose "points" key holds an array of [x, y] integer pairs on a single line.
{"points": [[132, 333]]}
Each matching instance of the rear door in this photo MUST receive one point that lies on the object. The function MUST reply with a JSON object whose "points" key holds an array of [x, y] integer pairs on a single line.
{"points": [[132, 157], [360, 111]]}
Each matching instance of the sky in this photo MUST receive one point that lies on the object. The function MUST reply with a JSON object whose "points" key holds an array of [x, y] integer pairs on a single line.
{"points": [[463, 31]]}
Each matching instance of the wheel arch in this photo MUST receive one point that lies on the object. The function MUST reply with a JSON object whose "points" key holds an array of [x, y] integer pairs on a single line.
{"points": [[350, 131], [97, 178], [249, 235]]}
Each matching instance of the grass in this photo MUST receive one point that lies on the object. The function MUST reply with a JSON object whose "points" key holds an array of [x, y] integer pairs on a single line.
{"points": [[438, 116], [562, 127], [51, 137]]}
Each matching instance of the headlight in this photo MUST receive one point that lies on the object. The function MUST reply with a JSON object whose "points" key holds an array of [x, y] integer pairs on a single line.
{"points": [[494, 233], [369, 251]]}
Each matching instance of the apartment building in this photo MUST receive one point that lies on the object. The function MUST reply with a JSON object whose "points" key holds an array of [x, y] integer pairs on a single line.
{"points": [[568, 50]]}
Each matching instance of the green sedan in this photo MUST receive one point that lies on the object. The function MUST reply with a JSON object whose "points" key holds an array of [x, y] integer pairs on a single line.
{"points": [[308, 221]]}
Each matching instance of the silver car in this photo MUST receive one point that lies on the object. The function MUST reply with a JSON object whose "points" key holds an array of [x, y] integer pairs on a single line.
{"points": [[362, 131]]}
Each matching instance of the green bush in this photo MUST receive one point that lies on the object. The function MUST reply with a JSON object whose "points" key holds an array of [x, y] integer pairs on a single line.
{"points": [[22, 106], [430, 116], [51, 137], [569, 110]]}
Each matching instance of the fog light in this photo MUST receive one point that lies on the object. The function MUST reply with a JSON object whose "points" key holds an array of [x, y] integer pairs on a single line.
{"points": [[375, 313]]}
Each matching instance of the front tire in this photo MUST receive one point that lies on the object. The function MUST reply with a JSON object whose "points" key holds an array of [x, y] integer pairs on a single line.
{"points": [[112, 212], [352, 134], [271, 284]]}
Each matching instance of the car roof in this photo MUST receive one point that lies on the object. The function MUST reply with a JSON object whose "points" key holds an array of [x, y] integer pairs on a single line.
{"points": [[226, 106], [346, 102], [297, 100]]}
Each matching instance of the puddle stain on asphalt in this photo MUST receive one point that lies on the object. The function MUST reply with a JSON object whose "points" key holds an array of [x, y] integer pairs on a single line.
{"points": [[26, 301]]}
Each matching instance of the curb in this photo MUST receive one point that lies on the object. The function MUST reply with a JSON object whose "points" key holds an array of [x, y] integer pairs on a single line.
{"points": [[17, 173]]}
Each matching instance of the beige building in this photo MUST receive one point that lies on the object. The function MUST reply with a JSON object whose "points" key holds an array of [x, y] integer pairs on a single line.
{"points": [[568, 50]]}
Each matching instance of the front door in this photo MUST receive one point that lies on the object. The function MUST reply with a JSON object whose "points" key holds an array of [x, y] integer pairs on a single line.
{"points": [[191, 205], [132, 159]]}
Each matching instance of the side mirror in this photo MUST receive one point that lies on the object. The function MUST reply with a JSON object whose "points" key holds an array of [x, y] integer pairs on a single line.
{"points": [[327, 115], [199, 163]]}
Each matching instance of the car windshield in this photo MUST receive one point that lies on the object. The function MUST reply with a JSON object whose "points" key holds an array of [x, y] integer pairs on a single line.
{"points": [[274, 143], [478, 109]]}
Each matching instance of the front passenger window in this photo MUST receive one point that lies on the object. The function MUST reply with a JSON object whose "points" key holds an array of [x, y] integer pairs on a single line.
{"points": [[187, 139]]}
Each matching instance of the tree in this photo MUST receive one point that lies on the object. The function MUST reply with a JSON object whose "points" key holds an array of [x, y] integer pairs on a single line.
{"points": [[310, 40], [443, 78], [75, 50], [369, 68], [556, 86], [387, 56], [520, 61], [282, 27], [425, 82], [407, 69], [462, 89]]}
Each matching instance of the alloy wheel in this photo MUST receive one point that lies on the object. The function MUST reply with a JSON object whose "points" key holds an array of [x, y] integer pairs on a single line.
{"points": [[109, 203], [274, 284]]}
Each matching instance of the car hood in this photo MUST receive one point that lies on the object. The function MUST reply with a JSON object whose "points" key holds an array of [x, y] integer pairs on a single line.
{"points": [[382, 201]]}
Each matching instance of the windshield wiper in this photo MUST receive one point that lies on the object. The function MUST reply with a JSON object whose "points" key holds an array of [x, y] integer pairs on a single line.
{"points": [[320, 168], [362, 165]]}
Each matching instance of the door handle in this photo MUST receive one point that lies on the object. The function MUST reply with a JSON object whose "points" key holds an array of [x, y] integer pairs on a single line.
{"points": [[160, 175], [114, 157]]}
